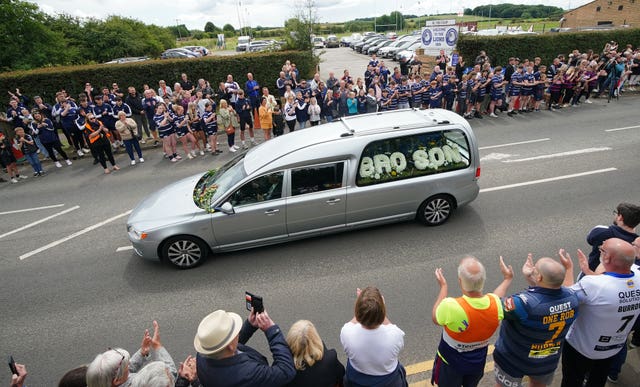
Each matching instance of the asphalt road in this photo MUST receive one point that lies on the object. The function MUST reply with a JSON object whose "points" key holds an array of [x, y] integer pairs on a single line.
{"points": [[64, 304]]}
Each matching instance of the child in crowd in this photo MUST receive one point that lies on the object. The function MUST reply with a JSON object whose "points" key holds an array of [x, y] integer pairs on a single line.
{"points": [[314, 111], [27, 144], [166, 131], [8, 160], [210, 123], [194, 125], [278, 122], [184, 133]]}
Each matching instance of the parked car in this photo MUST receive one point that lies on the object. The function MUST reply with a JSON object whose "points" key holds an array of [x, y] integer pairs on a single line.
{"points": [[318, 42], [202, 50], [174, 53], [383, 43], [243, 43], [402, 46], [358, 46], [384, 52], [263, 45], [353, 39], [391, 35], [361, 171], [127, 60], [371, 43], [408, 52], [332, 41]]}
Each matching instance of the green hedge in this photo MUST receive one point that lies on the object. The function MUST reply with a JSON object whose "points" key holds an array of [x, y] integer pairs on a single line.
{"points": [[546, 46], [265, 68]]}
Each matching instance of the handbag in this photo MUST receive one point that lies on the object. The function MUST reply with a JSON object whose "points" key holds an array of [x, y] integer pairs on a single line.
{"points": [[230, 130]]}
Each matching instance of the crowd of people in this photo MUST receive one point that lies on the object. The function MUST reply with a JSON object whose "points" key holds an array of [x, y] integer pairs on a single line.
{"points": [[587, 322], [191, 116]]}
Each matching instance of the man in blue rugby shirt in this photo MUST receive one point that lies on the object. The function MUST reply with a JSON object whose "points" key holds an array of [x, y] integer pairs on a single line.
{"points": [[535, 324], [252, 90], [404, 93]]}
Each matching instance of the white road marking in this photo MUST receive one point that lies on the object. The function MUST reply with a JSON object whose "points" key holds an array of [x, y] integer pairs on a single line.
{"points": [[39, 221], [31, 209], [124, 248], [513, 143], [532, 182], [561, 154], [625, 128], [75, 234], [496, 156]]}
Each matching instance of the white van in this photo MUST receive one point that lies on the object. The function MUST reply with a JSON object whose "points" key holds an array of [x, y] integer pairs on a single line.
{"points": [[243, 43]]}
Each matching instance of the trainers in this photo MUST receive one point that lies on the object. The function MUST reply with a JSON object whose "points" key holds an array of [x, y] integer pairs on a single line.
{"points": [[133, 162], [85, 150], [193, 153], [232, 149], [218, 151], [14, 180], [236, 147], [178, 157], [245, 146], [587, 101], [253, 142], [208, 148], [80, 153], [68, 162], [493, 115], [156, 142], [612, 379], [173, 159], [23, 177], [141, 160], [143, 141], [42, 173], [189, 156], [36, 174], [58, 164], [201, 153]]}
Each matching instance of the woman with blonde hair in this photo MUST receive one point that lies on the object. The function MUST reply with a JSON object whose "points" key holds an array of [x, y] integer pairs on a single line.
{"points": [[316, 366], [228, 121]]}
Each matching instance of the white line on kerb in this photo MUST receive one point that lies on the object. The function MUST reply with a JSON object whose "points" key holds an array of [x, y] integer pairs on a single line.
{"points": [[513, 143], [75, 234], [625, 128], [124, 248], [561, 154], [31, 209], [38, 222], [532, 182]]}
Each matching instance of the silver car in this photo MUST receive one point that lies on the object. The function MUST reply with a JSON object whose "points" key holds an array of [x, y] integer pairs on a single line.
{"points": [[356, 172]]}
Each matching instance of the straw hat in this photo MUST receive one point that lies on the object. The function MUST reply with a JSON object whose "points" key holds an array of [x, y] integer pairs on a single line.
{"points": [[216, 331]]}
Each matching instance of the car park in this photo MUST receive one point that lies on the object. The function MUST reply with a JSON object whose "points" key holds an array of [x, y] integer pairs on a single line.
{"points": [[177, 53], [332, 41], [356, 172]]}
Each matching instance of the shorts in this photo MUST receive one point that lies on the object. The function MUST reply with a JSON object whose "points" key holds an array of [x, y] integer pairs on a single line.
{"points": [[446, 376], [212, 130], [506, 380], [165, 133], [497, 97], [244, 122], [538, 95], [514, 92], [526, 93]]}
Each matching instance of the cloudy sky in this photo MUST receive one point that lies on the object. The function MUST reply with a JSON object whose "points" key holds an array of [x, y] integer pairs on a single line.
{"points": [[195, 13]]}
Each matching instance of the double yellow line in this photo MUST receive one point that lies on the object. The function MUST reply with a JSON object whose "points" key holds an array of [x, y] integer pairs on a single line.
{"points": [[418, 368]]}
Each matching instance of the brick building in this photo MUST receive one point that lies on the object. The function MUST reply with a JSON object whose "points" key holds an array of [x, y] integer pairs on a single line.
{"points": [[604, 12]]}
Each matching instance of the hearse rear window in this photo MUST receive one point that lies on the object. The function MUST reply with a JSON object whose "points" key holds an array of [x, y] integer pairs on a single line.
{"points": [[413, 156]]}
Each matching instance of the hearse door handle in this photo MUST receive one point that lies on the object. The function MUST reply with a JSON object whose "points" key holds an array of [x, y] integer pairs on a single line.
{"points": [[333, 201], [272, 211]]}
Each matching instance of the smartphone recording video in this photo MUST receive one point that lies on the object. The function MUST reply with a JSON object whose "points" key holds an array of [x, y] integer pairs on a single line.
{"points": [[253, 301]]}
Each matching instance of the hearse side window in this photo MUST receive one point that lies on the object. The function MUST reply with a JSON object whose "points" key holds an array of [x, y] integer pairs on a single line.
{"points": [[316, 178], [413, 156], [260, 189]]}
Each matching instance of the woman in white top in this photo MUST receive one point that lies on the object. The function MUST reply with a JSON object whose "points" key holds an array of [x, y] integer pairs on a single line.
{"points": [[290, 113], [372, 344]]}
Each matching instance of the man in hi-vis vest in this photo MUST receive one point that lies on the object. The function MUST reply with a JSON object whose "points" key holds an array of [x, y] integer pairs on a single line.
{"points": [[468, 322]]}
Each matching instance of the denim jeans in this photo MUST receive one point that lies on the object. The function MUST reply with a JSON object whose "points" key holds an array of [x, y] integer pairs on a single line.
{"points": [[129, 145], [34, 161], [43, 150]]}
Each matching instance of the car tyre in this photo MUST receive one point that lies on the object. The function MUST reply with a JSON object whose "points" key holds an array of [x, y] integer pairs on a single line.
{"points": [[184, 251], [436, 210]]}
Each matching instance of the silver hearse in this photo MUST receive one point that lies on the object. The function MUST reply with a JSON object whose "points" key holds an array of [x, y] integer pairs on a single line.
{"points": [[355, 172]]}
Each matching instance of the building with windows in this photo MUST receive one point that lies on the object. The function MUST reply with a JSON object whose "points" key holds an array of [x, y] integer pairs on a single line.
{"points": [[603, 13]]}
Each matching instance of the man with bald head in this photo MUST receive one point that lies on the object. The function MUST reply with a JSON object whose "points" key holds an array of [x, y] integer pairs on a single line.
{"points": [[468, 323], [609, 305], [535, 324]]}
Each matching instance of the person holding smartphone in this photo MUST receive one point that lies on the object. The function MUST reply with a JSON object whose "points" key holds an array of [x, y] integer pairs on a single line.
{"points": [[18, 373]]}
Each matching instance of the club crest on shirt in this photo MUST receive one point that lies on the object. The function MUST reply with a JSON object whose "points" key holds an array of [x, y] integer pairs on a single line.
{"points": [[630, 284], [509, 305]]}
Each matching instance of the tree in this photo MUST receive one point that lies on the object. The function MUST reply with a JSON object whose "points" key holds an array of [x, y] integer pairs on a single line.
{"points": [[26, 41], [228, 30], [210, 27], [303, 23]]}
